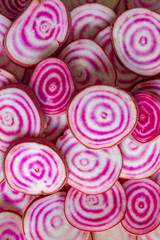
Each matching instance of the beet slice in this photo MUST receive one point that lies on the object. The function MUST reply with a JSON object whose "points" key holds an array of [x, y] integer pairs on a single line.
{"points": [[45, 219], [139, 160], [143, 206], [53, 85], [6, 78], [20, 114], [90, 171], [11, 226], [88, 63], [147, 127], [153, 5], [95, 212], [101, 116], [37, 33], [154, 235], [88, 19], [35, 167], [136, 40]]}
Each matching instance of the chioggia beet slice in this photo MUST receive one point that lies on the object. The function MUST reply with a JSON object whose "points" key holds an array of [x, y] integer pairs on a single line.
{"points": [[2, 176], [45, 219], [153, 5], [34, 167], [12, 8], [115, 233], [11, 226], [101, 116], [38, 32], [88, 63], [156, 177], [13, 200], [70, 4], [56, 125], [125, 78], [20, 114], [148, 127], [95, 212], [6, 78], [53, 85], [90, 171], [143, 206], [87, 20], [154, 235], [139, 160], [5, 63], [136, 40]]}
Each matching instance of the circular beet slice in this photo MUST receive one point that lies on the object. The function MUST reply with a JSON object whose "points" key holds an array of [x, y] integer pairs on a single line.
{"points": [[53, 85], [136, 40], [143, 206], [20, 114], [101, 116], [88, 63], [148, 127], [153, 5], [95, 212], [11, 226], [90, 171], [139, 160], [37, 33], [154, 235], [45, 219], [34, 167], [6, 78]]}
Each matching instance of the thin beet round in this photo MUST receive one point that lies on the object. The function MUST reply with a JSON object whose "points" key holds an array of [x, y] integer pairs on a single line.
{"points": [[101, 116], [6, 78]]}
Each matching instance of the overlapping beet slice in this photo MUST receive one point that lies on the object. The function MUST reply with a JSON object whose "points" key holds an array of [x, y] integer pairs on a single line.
{"points": [[6, 78]]}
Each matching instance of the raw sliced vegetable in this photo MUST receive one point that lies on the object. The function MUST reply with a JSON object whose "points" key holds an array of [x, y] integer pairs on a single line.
{"points": [[34, 167], [95, 212], [53, 85], [101, 116], [154, 235], [136, 40], [88, 63], [45, 219], [37, 33], [153, 5], [6, 78], [90, 171], [143, 206], [139, 160]]}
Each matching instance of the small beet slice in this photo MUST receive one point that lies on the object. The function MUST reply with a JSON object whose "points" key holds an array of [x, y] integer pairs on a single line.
{"points": [[20, 114], [136, 40], [90, 171], [88, 63], [153, 5], [34, 167], [53, 85], [11, 226], [45, 219], [37, 33], [101, 116], [139, 160], [13, 200], [95, 212], [148, 127], [143, 206], [6, 78]]}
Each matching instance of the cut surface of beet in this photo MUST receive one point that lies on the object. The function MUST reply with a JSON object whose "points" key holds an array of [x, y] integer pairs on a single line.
{"points": [[6, 78]]}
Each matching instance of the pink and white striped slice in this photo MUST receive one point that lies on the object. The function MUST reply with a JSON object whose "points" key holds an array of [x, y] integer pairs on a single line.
{"points": [[89, 19], [115, 233], [53, 85], [38, 32], [101, 116], [6, 78], [11, 226], [34, 167], [90, 171], [156, 177], [20, 114], [148, 127], [5, 63], [45, 219], [153, 5], [154, 235], [88, 63], [56, 125], [95, 212], [12, 8], [13, 200], [136, 40], [139, 160], [2, 176], [143, 206]]}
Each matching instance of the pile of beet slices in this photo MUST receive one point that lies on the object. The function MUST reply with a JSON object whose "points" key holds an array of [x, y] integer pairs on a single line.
{"points": [[79, 120]]}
